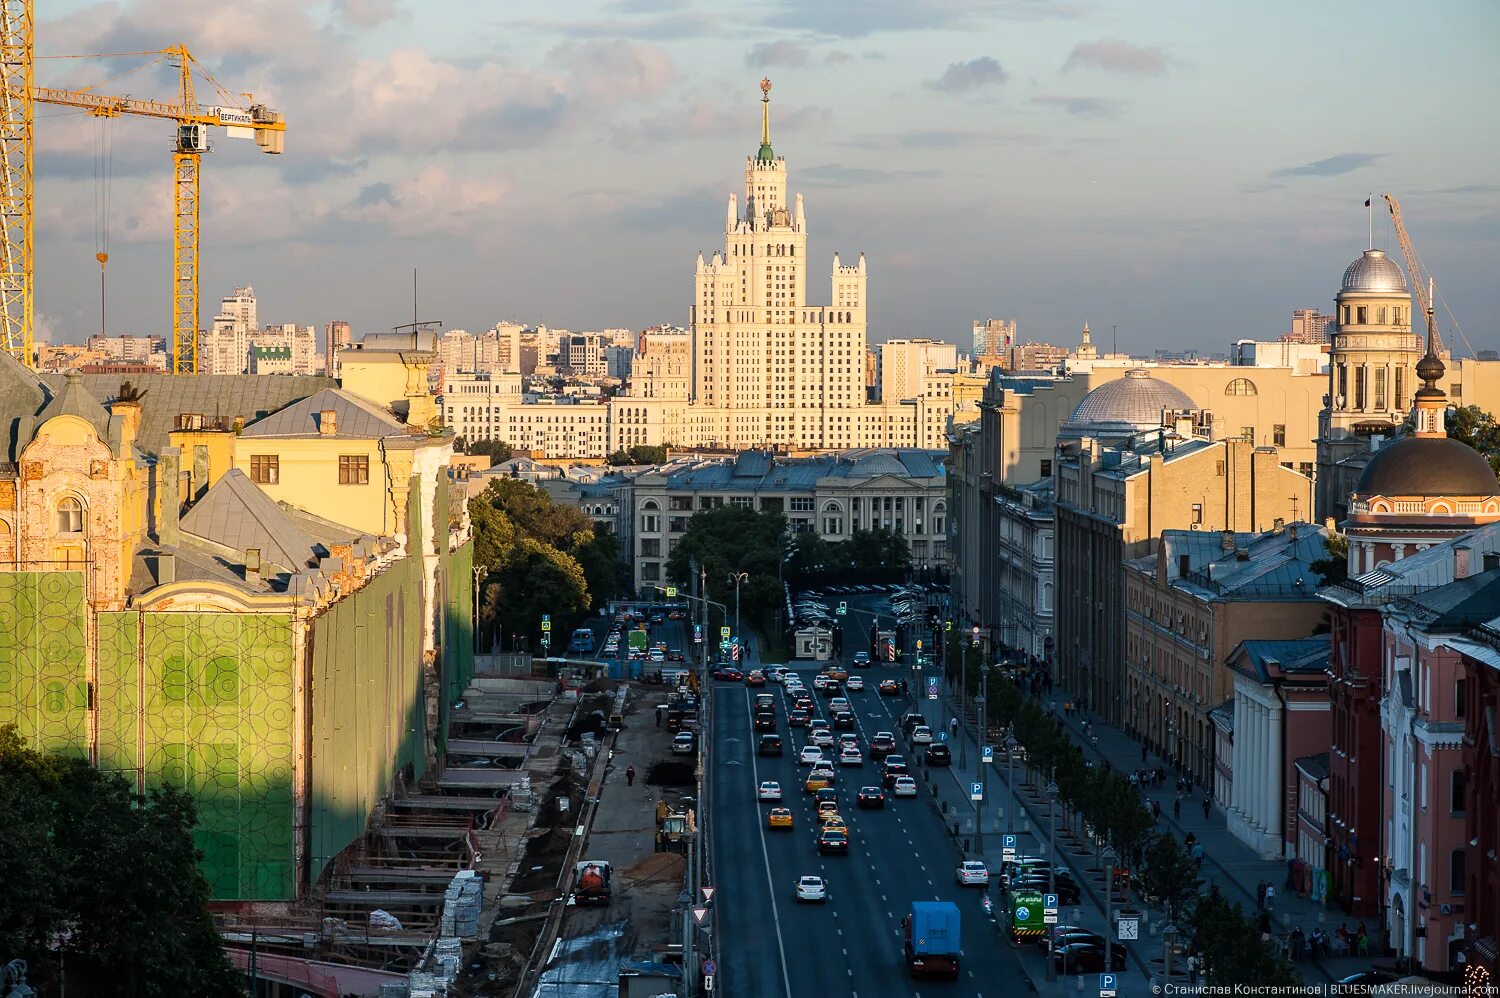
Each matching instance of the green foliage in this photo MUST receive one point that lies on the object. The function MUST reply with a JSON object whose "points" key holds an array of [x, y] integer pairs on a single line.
{"points": [[1471, 425], [1231, 947], [497, 450], [539, 557], [1170, 878], [102, 885], [1335, 568], [734, 539], [639, 454], [879, 555]]}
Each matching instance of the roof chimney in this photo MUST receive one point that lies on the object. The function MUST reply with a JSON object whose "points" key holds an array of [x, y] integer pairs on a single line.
{"points": [[1461, 554], [166, 568], [328, 422], [252, 565], [1226, 540], [169, 496]]}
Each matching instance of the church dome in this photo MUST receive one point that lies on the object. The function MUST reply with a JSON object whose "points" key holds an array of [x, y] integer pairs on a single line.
{"points": [[1374, 272], [1427, 466], [1126, 405]]}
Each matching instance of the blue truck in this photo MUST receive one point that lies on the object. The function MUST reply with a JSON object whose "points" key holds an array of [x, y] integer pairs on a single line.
{"points": [[932, 939]]}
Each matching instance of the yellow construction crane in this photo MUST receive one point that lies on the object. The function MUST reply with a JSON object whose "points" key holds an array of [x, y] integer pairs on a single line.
{"points": [[193, 120], [1419, 282]]}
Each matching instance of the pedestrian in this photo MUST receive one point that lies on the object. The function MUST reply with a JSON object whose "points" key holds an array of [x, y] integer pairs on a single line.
{"points": [[630, 776], [1192, 969], [1198, 854], [1270, 894], [1207, 805], [1176, 808], [1260, 895], [1143, 755], [658, 717], [1135, 780], [953, 727]]}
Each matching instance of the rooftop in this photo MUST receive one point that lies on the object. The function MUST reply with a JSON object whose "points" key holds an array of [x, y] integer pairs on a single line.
{"points": [[1276, 565], [755, 471], [1267, 661]]}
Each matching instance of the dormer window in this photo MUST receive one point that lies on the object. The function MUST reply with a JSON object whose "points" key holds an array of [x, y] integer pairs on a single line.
{"points": [[70, 516]]}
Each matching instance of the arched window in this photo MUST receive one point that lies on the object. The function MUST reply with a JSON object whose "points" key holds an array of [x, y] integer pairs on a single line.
{"points": [[1240, 386], [70, 516]]}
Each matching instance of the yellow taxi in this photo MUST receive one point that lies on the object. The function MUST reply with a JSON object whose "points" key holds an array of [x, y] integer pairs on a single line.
{"points": [[837, 673], [828, 807], [779, 817], [831, 819], [818, 780]]}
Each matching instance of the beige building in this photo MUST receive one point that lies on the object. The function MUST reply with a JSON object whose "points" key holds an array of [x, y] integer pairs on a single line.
{"points": [[663, 365], [1188, 605], [911, 368]]}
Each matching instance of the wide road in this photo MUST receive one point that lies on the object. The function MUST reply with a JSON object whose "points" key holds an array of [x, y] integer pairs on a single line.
{"points": [[772, 945]]}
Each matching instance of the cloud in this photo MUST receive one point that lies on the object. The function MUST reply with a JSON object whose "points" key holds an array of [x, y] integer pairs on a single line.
{"points": [[838, 175], [874, 16], [837, 57], [431, 202], [366, 13], [1082, 107], [674, 25], [782, 53], [1333, 166], [963, 77], [1114, 56], [705, 118]]}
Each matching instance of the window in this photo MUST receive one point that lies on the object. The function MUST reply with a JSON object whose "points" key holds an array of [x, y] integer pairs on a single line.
{"points": [[1380, 388], [1456, 871], [1278, 434], [1046, 467], [1346, 315], [1400, 388], [801, 504], [1343, 392], [70, 516], [1457, 791], [1240, 386], [1361, 314], [1198, 513], [1248, 432], [354, 469], [1458, 698], [743, 502], [1359, 388], [265, 469]]}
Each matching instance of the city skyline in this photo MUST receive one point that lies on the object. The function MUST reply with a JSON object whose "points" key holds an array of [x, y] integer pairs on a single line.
{"points": [[576, 189]]}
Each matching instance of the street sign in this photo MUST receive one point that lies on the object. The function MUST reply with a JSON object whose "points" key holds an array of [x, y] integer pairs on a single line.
{"points": [[697, 634], [987, 754], [547, 617], [947, 625], [976, 791], [671, 592], [843, 607], [710, 968], [708, 982], [1009, 850], [700, 913], [1107, 984], [932, 688], [1130, 928], [942, 736], [546, 625], [919, 644], [708, 895], [723, 632]]}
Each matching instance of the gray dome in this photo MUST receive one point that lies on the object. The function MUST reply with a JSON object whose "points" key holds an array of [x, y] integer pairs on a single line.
{"points": [[1374, 272], [1126, 405], [1427, 466], [880, 463]]}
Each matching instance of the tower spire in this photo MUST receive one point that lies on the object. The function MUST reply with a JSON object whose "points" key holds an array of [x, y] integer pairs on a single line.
{"points": [[1431, 401], [765, 154]]}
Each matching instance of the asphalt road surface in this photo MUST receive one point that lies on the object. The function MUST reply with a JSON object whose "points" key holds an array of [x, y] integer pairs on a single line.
{"points": [[770, 944]]}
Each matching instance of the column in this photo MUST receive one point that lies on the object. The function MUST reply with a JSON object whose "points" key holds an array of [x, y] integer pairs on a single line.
{"points": [[1261, 770], [1278, 774]]}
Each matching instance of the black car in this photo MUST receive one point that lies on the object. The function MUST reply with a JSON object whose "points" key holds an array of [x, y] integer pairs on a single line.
{"points": [[1086, 958], [844, 720], [910, 720], [939, 755], [832, 840], [765, 721], [891, 772], [870, 797], [770, 745], [1368, 977]]}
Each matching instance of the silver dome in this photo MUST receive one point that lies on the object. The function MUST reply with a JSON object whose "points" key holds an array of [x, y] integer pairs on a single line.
{"points": [[1126, 405], [1374, 272]]}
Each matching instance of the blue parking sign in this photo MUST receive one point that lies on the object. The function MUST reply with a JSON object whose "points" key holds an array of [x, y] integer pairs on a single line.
{"points": [[1049, 903], [1107, 984], [976, 791], [987, 754], [1009, 842]]}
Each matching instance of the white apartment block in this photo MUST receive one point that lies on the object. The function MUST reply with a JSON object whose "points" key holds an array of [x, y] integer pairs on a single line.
{"points": [[582, 354], [911, 368], [150, 350]]}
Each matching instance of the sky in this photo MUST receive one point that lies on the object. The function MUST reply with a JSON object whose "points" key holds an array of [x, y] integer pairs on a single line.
{"points": [[1183, 173]]}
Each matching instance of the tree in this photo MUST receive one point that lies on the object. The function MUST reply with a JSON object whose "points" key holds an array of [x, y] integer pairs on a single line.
{"points": [[538, 579], [497, 450], [102, 886], [734, 539], [1170, 878], [607, 576], [534, 513], [1335, 568], [1231, 947], [639, 454]]}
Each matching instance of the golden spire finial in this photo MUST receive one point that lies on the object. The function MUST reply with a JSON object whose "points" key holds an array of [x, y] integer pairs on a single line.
{"points": [[765, 121], [765, 88]]}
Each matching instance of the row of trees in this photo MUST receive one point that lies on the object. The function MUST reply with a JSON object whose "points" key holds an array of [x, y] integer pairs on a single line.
{"points": [[1098, 800], [879, 555], [638, 454], [102, 893], [539, 557]]}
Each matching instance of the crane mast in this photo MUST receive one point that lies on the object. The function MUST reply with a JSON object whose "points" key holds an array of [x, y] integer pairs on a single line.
{"points": [[1420, 286]]}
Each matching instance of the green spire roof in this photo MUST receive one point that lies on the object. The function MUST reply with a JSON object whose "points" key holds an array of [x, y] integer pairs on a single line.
{"points": [[765, 155]]}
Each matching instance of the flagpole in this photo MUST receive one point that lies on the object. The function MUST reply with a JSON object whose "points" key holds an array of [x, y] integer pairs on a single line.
{"points": [[1370, 211]]}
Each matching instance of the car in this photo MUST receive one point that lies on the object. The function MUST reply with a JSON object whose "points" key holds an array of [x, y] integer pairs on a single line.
{"points": [[921, 735], [799, 718], [904, 786], [1086, 958], [817, 780], [811, 889], [826, 806], [824, 685], [837, 673], [861, 659], [803, 703], [889, 688], [821, 737], [910, 720], [769, 745], [870, 797], [674, 655], [851, 757], [854, 684], [1064, 935], [825, 771], [837, 704], [657, 655], [848, 738], [779, 817], [809, 755], [833, 840], [882, 744], [1067, 893], [765, 721], [1368, 978], [765, 701], [770, 790], [778, 673], [972, 873], [832, 822], [825, 796], [677, 615], [939, 755], [728, 674], [844, 720], [686, 743], [755, 678]]}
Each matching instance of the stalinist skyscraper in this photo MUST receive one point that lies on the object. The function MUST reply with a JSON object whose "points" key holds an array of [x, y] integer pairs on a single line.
{"points": [[773, 367]]}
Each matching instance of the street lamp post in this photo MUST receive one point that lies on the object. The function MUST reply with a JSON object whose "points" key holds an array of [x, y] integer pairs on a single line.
{"points": [[1109, 908], [984, 771], [480, 571], [738, 579], [1010, 782], [1051, 862]]}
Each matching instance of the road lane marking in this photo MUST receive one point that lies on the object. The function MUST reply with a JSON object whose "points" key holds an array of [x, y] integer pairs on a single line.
{"points": [[786, 977]]}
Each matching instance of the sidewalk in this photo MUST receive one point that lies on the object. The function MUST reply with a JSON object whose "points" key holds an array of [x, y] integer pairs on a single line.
{"points": [[1228, 862]]}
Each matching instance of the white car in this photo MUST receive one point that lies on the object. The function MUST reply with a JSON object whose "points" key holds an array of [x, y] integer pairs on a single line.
{"points": [[851, 756], [778, 673], [837, 704], [905, 787], [854, 684], [824, 768], [921, 735], [811, 889], [770, 790], [810, 755], [848, 738], [973, 874], [822, 736], [684, 744]]}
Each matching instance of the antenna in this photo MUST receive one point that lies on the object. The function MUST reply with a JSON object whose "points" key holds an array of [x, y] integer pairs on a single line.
{"points": [[1370, 210], [1114, 338]]}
